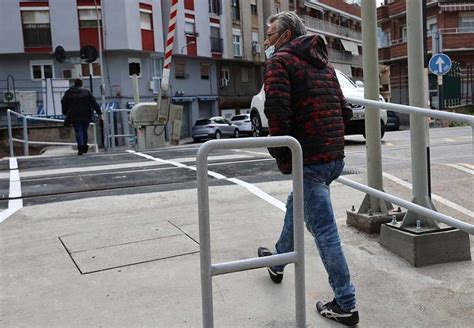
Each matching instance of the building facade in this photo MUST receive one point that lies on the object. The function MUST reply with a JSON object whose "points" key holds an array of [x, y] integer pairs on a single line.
{"points": [[339, 23], [31, 30], [454, 20]]}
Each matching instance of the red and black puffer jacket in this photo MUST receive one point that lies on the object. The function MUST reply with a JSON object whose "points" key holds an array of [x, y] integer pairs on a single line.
{"points": [[303, 99]]}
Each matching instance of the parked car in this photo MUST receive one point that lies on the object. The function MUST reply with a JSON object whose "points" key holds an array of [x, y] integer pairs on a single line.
{"points": [[214, 128], [349, 89], [243, 123], [393, 121]]}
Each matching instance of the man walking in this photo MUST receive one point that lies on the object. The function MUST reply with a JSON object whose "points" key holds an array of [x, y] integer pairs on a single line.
{"points": [[77, 106], [304, 100]]}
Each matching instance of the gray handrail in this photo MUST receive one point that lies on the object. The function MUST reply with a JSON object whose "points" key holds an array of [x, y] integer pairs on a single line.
{"points": [[208, 270], [469, 119], [469, 228], [25, 139]]}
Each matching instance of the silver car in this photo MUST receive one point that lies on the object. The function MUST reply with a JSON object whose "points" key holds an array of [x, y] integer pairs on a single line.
{"points": [[243, 122], [214, 128]]}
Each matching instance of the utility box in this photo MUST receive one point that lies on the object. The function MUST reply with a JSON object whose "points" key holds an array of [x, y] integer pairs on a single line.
{"points": [[149, 119]]}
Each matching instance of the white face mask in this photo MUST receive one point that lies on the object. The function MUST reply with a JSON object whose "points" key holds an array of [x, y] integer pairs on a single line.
{"points": [[269, 51]]}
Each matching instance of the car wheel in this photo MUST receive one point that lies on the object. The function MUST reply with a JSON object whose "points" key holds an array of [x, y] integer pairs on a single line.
{"points": [[256, 125], [382, 130], [196, 139], [218, 135], [236, 133]]}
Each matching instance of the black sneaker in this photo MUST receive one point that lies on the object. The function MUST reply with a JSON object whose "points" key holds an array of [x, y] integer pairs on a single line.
{"points": [[331, 310], [275, 276]]}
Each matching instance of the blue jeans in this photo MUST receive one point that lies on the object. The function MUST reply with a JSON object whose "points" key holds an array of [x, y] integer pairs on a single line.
{"points": [[320, 222], [80, 130]]}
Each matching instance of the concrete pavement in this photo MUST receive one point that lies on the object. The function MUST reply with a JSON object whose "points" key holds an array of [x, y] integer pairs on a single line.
{"points": [[133, 261]]}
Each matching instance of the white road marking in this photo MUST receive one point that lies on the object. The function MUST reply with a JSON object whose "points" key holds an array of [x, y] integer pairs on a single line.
{"points": [[253, 189], [449, 140], [14, 192], [461, 168], [469, 166], [440, 199]]}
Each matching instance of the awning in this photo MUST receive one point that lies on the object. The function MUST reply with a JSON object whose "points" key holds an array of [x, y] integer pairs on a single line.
{"points": [[344, 68], [207, 98], [183, 99], [351, 47]]}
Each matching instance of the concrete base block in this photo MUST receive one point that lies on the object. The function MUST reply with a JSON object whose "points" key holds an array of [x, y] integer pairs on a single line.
{"points": [[450, 245], [371, 223]]}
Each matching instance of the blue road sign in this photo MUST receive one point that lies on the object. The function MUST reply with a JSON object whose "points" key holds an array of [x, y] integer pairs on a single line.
{"points": [[440, 64]]}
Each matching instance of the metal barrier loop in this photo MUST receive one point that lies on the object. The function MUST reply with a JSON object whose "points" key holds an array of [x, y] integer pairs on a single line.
{"points": [[208, 270], [26, 142]]}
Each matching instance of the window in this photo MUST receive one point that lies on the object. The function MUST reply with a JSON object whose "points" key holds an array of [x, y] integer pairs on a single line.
{"points": [[180, 69], [90, 68], [41, 69], [255, 43], [253, 9], [134, 61], [225, 76], [216, 42], [189, 28], [36, 28], [431, 25], [235, 9], [88, 17], [403, 32], [205, 71], [214, 7], [145, 20], [236, 43], [244, 72], [466, 23]]}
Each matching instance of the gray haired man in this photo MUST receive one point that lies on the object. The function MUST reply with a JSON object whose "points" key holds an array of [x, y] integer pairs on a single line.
{"points": [[304, 100]]}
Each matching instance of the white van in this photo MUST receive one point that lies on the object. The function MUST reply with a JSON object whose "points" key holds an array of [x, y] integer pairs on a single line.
{"points": [[349, 89]]}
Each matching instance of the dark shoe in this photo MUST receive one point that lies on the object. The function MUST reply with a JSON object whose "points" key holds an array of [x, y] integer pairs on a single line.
{"points": [[80, 150], [86, 149], [331, 310], [275, 276]]}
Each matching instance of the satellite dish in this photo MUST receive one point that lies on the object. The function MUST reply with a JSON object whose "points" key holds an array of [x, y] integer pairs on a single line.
{"points": [[59, 54], [89, 54]]}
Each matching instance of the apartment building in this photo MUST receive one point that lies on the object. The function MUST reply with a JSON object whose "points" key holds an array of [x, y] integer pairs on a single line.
{"points": [[31, 30], [240, 66], [339, 23], [454, 20]]}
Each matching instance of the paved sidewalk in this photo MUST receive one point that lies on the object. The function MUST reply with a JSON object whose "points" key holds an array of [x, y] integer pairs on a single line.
{"points": [[133, 261]]}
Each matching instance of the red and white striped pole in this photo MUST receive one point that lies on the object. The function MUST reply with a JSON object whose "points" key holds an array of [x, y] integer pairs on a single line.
{"points": [[169, 47]]}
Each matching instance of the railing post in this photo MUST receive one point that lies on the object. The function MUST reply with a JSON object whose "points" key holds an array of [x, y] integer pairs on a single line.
{"points": [[112, 129], [26, 150], [10, 134], [94, 126]]}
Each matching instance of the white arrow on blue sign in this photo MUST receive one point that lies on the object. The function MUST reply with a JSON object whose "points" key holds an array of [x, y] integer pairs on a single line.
{"points": [[440, 64]]}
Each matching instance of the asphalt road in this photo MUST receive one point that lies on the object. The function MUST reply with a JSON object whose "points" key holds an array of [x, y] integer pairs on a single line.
{"points": [[61, 178]]}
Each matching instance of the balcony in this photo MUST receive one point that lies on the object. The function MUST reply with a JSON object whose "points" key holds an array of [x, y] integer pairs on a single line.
{"points": [[321, 25], [382, 13], [216, 45], [453, 39], [343, 57]]}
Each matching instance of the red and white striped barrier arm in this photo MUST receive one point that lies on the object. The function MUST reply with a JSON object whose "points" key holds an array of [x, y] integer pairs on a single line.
{"points": [[169, 47]]}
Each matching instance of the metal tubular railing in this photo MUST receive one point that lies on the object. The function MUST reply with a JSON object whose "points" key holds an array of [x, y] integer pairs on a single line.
{"points": [[111, 135], [26, 142], [469, 228], [208, 270]]}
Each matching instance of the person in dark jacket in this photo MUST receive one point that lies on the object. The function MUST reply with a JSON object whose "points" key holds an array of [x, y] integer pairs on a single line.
{"points": [[77, 106], [304, 100]]}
